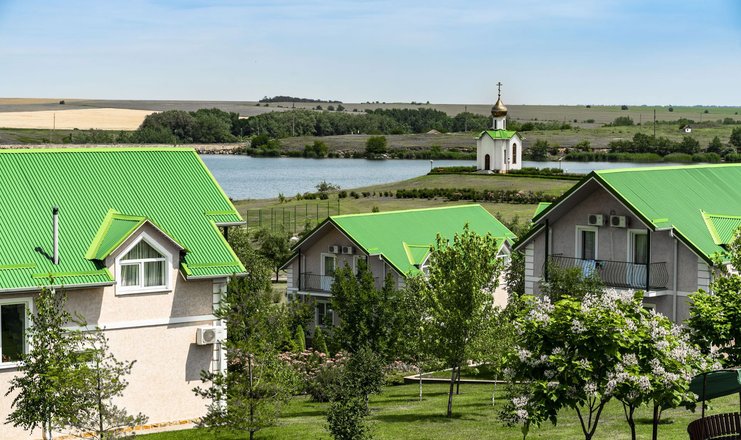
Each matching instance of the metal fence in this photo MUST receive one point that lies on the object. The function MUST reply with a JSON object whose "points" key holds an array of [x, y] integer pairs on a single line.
{"points": [[292, 218]]}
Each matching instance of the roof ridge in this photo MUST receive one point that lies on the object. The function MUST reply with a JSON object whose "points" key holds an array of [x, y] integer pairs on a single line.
{"points": [[90, 149], [668, 168], [435, 208]]}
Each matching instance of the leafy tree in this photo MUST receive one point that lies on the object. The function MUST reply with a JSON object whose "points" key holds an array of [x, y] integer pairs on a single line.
{"points": [[579, 353], [362, 375], [658, 366], [318, 342], [462, 278], [370, 317], [514, 276], [539, 150], [375, 145], [689, 145], [325, 187], [621, 121], [250, 394], [570, 282], [49, 379], [275, 246], [103, 380], [714, 317], [300, 339], [318, 149], [715, 146], [735, 139]]}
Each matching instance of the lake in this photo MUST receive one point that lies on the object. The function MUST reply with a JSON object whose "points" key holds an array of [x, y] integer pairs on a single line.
{"points": [[244, 177]]}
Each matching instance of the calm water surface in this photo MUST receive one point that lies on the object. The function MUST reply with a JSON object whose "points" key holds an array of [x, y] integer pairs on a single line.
{"points": [[244, 177]]}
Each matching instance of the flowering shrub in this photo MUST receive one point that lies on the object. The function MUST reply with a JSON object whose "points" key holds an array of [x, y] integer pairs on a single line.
{"points": [[319, 373], [396, 371], [580, 354]]}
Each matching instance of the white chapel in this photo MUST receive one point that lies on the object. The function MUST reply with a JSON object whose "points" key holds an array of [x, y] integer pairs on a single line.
{"points": [[498, 150]]}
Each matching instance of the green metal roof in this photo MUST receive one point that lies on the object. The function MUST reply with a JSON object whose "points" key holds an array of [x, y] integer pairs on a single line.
{"points": [[404, 238], [169, 187], [677, 197], [542, 206], [498, 134], [722, 227]]}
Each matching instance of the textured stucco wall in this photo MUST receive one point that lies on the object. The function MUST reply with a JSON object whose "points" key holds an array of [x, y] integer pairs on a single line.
{"points": [[167, 360]]}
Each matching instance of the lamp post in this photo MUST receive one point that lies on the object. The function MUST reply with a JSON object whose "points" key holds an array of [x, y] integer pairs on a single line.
{"points": [[431, 161]]}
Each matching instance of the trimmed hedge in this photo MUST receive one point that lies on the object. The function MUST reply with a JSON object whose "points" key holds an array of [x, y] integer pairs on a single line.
{"points": [[455, 194]]}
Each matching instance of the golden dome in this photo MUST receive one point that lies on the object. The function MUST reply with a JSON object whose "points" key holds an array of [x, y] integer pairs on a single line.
{"points": [[499, 109]]}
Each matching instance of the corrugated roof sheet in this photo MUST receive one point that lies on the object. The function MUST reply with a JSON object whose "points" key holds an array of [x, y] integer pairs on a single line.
{"points": [[722, 227], [404, 237], [169, 186], [542, 206], [498, 134], [676, 197]]}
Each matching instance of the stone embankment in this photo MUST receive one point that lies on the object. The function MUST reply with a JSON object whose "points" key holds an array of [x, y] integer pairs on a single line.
{"points": [[200, 148]]}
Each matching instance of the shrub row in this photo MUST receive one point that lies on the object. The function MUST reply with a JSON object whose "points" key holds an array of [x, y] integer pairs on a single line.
{"points": [[454, 194]]}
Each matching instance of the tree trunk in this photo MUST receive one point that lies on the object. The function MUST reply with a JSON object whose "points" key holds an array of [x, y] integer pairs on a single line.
{"points": [[494, 391], [252, 434], [632, 424], [458, 381], [450, 393], [657, 415], [419, 369]]}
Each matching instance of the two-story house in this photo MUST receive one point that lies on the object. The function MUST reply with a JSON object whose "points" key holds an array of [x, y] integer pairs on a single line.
{"points": [[135, 239], [396, 243], [654, 229]]}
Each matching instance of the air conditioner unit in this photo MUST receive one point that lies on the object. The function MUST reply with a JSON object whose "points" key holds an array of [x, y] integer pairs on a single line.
{"points": [[596, 220], [334, 249], [618, 221], [210, 335], [348, 250]]}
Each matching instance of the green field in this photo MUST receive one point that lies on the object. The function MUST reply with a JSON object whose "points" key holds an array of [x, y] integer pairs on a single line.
{"points": [[294, 214], [397, 414]]}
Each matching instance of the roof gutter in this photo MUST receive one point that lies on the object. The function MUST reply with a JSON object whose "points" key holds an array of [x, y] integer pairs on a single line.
{"points": [[230, 224], [61, 286]]}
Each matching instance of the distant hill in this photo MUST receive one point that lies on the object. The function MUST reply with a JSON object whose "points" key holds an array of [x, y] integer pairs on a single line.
{"points": [[281, 98]]}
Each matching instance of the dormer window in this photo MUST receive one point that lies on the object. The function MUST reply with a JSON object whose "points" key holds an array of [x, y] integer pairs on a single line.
{"points": [[143, 269]]}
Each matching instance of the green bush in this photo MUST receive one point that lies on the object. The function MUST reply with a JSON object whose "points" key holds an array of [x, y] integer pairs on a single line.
{"points": [[342, 194], [678, 157], [706, 157], [346, 419], [733, 157]]}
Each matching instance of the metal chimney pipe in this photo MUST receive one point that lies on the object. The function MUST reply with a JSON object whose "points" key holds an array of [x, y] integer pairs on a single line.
{"points": [[55, 235]]}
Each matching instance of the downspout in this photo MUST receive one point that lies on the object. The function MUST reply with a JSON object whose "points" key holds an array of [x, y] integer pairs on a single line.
{"points": [[648, 260], [676, 274], [545, 264]]}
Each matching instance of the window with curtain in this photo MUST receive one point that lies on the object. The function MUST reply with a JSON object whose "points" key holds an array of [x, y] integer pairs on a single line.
{"points": [[12, 332], [588, 245], [143, 267]]}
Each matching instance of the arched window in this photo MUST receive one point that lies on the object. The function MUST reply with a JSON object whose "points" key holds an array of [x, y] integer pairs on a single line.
{"points": [[143, 267], [487, 162], [514, 154]]}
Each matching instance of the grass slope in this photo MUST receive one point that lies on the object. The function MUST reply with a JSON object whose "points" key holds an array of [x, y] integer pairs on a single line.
{"points": [[397, 414]]}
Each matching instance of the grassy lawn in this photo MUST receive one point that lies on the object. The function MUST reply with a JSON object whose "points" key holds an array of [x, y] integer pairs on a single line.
{"points": [[397, 414], [295, 213]]}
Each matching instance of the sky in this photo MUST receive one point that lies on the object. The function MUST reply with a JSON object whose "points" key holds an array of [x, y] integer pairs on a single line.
{"points": [[544, 52]]}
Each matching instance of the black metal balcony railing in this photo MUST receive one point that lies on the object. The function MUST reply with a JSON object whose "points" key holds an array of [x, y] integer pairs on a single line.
{"points": [[619, 273], [316, 283]]}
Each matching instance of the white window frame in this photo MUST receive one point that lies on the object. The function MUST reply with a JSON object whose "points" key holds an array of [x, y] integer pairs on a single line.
{"points": [[28, 303], [631, 242], [578, 243], [327, 309], [321, 263], [355, 259], [132, 290]]}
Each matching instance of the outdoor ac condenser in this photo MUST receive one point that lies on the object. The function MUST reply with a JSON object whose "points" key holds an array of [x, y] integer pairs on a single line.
{"points": [[348, 250], [618, 221], [210, 335], [596, 220], [334, 249]]}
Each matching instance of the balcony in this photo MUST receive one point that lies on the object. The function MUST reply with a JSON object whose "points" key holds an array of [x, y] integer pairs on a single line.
{"points": [[311, 282], [621, 274]]}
